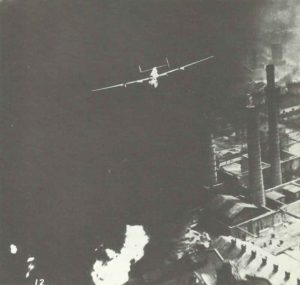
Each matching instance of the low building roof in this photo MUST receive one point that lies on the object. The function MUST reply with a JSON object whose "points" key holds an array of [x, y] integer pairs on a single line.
{"points": [[229, 206], [292, 188], [274, 195], [234, 168]]}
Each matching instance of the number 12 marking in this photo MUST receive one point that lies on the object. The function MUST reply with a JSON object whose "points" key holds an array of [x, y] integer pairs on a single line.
{"points": [[39, 282]]}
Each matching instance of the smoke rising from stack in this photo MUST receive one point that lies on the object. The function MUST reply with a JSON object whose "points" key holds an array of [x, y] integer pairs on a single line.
{"points": [[279, 37], [277, 53]]}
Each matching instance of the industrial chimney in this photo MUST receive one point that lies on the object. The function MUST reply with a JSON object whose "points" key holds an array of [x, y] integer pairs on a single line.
{"points": [[209, 158], [272, 94], [256, 184]]}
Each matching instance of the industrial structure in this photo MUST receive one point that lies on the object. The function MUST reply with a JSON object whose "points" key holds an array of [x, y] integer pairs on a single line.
{"points": [[253, 198], [253, 210]]}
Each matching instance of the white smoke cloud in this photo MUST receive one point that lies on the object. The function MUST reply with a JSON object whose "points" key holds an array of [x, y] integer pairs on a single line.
{"points": [[116, 270]]}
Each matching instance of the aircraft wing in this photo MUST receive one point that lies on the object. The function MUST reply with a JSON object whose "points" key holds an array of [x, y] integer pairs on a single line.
{"points": [[122, 84], [185, 66], [138, 81]]}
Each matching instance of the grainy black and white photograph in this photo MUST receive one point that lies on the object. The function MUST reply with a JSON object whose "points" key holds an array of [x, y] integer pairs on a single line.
{"points": [[150, 142]]}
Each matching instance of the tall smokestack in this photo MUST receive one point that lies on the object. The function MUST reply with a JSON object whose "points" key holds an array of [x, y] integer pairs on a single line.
{"points": [[256, 184], [272, 93], [209, 159]]}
